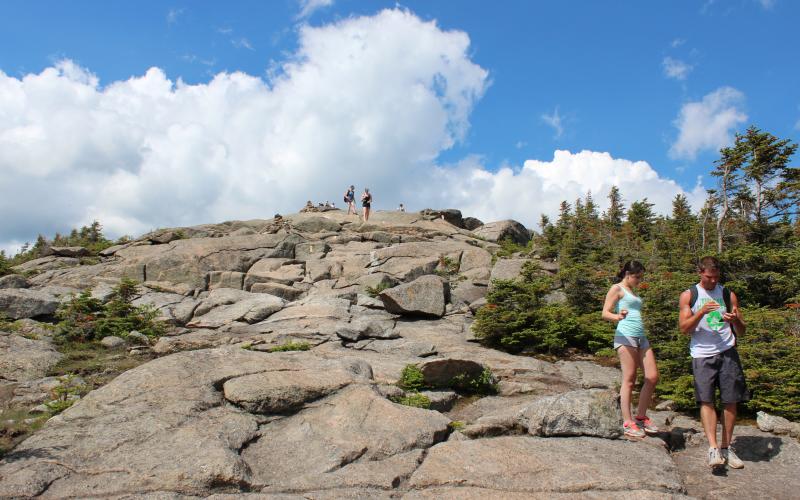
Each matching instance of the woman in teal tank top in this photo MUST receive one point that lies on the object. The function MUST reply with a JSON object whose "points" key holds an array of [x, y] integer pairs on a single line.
{"points": [[624, 307]]}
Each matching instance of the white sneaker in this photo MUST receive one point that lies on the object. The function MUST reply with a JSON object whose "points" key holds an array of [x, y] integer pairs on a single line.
{"points": [[731, 458], [715, 457]]}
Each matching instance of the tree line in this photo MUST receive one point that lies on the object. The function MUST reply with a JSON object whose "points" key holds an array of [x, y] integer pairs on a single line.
{"points": [[750, 220]]}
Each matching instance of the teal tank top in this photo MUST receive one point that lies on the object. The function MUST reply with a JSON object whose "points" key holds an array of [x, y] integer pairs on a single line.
{"points": [[632, 325]]}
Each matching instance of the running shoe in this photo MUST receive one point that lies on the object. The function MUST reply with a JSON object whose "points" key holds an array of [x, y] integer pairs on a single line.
{"points": [[647, 424], [731, 459], [630, 429], [715, 457]]}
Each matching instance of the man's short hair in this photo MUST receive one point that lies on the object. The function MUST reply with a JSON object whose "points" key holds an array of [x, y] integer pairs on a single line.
{"points": [[708, 263]]}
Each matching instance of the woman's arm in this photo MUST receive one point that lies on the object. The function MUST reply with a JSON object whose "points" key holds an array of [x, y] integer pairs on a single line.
{"points": [[612, 297]]}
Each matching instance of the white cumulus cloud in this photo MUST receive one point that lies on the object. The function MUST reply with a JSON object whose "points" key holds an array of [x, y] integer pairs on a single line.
{"points": [[370, 101], [540, 186], [708, 124]]}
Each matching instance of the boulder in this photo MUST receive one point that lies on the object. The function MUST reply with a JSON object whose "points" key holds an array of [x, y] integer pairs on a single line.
{"points": [[222, 307], [174, 308], [317, 225], [355, 424], [14, 281], [65, 252], [587, 412], [112, 342], [534, 467], [504, 229], [507, 269], [46, 264], [24, 359], [778, 425], [471, 223], [465, 292], [441, 400], [425, 296], [17, 303], [281, 392], [441, 372], [451, 215], [199, 339]]}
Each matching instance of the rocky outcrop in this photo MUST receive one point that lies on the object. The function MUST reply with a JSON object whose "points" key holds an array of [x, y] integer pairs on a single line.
{"points": [[17, 303], [425, 296], [223, 413], [23, 359], [504, 229], [14, 281]]}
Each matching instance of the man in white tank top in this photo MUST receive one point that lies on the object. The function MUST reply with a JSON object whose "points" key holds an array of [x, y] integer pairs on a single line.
{"points": [[715, 361]]}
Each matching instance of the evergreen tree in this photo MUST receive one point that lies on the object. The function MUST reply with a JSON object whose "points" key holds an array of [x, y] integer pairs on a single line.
{"points": [[616, 211], [728, 171], [641, 218]]}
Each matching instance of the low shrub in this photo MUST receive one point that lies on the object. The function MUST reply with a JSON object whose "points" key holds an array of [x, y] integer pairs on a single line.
{"points": [[411, 379], [374, 291], [290, 346], [484, 383], [414, 399], [84, 318]]}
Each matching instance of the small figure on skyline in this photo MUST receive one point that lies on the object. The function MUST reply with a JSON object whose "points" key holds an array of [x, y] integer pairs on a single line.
{"points": [[350, 199], [402, 208], [366, 203]]}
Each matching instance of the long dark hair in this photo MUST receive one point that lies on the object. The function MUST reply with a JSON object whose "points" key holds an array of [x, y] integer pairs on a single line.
{"points": [[632, 267]]}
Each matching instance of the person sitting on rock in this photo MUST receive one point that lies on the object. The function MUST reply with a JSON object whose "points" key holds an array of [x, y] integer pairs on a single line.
{"points": [[624, 307], [366, 203]]}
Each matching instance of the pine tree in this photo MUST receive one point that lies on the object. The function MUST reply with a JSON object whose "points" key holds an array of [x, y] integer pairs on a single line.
{"points": [[641, 218], [616, 211]]}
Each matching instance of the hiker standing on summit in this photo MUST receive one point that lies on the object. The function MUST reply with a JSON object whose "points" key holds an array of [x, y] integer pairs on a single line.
{"points": [[366, 203], [710, 313], [624, 306], [350, 199]]}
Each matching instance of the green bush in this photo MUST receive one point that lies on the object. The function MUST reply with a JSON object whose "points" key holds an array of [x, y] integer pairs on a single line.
{"points": [[374, 291], [290, 346], [411, 379], [5, 265], [509, 247], [83, 318], [414, 399], [484, 383]]}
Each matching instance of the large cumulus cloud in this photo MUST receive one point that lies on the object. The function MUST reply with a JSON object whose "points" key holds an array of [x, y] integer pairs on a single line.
{"points": [[369, 100]]}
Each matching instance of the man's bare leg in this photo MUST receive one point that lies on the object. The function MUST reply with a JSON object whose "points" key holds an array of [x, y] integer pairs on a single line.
{"points": [[708, 415], [728, 423]]}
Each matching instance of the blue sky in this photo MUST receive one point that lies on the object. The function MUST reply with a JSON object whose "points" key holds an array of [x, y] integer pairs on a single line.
{"points": [[662, 83]]}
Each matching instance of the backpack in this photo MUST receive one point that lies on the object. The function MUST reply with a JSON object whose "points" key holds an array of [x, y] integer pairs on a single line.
{"points": [[726, 297]]}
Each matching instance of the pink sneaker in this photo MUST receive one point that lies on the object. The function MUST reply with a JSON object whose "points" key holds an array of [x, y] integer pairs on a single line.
{"points": [[630, 429], [647, 424]]}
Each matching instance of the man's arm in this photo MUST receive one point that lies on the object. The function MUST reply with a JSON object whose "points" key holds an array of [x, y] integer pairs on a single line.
{"points": [[688, 321], [735, 316]]}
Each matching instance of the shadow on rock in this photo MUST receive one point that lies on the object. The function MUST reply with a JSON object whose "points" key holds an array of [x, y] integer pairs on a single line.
{"points": [[33, 453], [757, 448]]}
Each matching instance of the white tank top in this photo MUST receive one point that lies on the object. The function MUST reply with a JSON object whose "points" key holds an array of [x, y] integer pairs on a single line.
{"points": [[712, 335]]}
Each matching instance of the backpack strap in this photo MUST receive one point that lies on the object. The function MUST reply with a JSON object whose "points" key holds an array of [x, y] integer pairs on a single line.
{"points": [[726, 297], [693, 296]]}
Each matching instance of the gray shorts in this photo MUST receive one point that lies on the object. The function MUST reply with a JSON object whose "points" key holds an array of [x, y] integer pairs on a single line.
{"points": [[639, 342], [723, 370]]}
